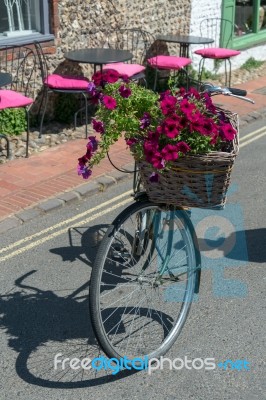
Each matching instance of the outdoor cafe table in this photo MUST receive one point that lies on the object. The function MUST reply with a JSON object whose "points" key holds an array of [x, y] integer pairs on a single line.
{"points": [[185, 41], [98, 56], [5, 79]]}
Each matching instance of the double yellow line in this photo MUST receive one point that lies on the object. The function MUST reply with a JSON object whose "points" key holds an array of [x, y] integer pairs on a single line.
{"points": [[53, 231], [251, 137]]}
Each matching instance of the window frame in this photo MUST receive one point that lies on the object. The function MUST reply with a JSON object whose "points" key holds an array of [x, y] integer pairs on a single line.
{"points": [[44, 36], [245, 41]]}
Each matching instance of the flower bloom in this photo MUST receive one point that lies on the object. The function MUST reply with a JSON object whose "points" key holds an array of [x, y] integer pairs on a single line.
{"points": [[170, 128], [111, 76], [124, 91], [168, 104], [131, 141], [183, 147], [227, 132], [145, 120], [109, 102], [92, 143], [170, 152], [97, 126], [154, 178]]}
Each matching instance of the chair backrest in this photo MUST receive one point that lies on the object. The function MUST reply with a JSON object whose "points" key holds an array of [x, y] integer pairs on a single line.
{"points": [[43, 66], [135, 40], [21, 63], [219, 29]]}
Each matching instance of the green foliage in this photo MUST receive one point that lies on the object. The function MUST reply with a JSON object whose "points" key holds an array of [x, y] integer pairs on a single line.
{"points": [[66, 105], [13, 121], [251, 63]]}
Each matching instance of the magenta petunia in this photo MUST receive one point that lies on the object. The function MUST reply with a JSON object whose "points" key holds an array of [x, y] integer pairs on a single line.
{"points": [[170, 152], [186, 107], [98, 126], [183, 147], [124, 91], [227, 132], [109, 102], [131, 142], [170, 128], [168, 104], [92, 143], [111, 76], [157, 161]]}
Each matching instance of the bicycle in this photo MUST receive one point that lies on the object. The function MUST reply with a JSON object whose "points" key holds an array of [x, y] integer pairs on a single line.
{"points": [[146, 272]]}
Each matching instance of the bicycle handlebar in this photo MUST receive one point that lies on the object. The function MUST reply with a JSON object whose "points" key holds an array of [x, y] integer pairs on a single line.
{"points": [[233, 92]]}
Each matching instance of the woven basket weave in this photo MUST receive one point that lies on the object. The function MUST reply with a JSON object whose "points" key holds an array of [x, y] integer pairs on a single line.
{"points": [[195, 180]]}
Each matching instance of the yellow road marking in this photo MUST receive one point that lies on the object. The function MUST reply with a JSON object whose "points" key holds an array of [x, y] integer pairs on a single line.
{"points": [[252, 140], [64, 230], [65, 222], [244, 138]]}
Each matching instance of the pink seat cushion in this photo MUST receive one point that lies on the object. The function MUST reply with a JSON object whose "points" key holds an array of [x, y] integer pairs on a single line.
{"points": [[169, 62], [213, 52], [125, 69], [12, 99], [55, 81]]}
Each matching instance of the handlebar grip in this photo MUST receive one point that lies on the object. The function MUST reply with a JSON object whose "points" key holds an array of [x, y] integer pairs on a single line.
{"points": [[238, 92]]}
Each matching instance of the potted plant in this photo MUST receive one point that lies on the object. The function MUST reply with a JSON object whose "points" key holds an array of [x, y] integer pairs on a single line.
{"points": [[181, 141]]}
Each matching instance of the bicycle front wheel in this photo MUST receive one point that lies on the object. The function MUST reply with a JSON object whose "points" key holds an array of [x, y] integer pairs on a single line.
{"points": [[143, 281]]}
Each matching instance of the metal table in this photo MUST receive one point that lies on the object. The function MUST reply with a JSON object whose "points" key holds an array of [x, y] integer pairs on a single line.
{"points": [[98, 56], [185, 41], [5, 79]]}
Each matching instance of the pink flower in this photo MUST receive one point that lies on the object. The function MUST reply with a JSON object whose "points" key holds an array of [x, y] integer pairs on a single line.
{"points": [[158, 161], [98, 126], [186, 107], [92, 143], [111, 76], [131, 142], [183, 147], [124, 91], [227, 132], [170, 152], [170, 128], [109, 102], [168, 105]]}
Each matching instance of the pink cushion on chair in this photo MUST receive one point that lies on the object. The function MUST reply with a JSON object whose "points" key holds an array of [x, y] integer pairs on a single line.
{"points": [[213, 52], [55, 81], [12, 99], [169, 62], [125, 69]]}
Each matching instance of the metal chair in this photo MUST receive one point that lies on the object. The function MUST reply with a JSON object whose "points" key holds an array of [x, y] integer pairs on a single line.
{"points": [[218, 29], [56, 83], [20, 63], [135, 41]]}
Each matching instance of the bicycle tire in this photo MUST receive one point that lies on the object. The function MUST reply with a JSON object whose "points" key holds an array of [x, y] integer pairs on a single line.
{"points": [[116, 269]]}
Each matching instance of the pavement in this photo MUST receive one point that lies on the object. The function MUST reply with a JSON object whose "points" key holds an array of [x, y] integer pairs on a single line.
{"points": [[46, 181]]}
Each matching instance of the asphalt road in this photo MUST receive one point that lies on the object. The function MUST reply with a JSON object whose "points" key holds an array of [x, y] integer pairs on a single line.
{"points": [[45, 271]]}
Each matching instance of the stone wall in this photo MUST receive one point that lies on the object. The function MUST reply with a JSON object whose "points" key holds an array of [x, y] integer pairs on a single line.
{"points": [[81, 21]]}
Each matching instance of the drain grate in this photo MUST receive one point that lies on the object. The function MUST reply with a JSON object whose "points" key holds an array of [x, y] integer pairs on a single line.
{"points": [[260, 91]]}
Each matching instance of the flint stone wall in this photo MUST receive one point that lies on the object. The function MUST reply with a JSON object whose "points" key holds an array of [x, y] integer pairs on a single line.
{"points": [[80, 22]]}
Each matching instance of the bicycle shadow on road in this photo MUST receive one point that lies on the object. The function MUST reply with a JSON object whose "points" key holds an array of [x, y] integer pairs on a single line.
{"points": [[248, 245], [40, 324], [83, 243]]}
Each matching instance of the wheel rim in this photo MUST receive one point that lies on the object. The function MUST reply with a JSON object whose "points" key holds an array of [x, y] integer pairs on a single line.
{"points": [[142, 310]]}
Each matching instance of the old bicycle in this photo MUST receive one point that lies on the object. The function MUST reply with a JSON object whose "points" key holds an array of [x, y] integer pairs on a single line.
{"points": [[146, 272]]}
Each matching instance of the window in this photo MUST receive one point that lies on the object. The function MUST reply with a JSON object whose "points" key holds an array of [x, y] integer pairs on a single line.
{"points": [[250, 16], [22, 21]]}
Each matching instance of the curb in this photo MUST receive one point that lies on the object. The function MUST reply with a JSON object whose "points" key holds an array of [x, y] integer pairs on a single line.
{"points": [[95, 186]]}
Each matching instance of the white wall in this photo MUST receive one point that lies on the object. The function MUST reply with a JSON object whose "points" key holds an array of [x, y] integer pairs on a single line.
{"points": [[201, 9]]}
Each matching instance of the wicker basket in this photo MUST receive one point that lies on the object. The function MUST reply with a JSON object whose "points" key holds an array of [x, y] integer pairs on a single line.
{"points": [[195, 180]]}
